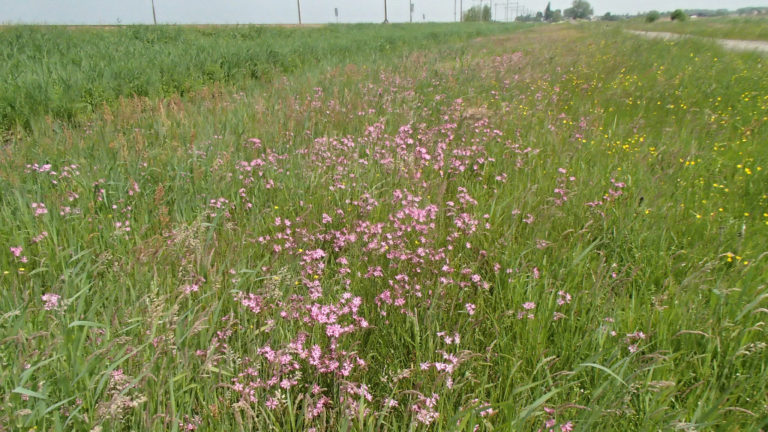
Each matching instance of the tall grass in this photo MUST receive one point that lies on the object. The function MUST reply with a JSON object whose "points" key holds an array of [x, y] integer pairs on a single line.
{"points": [[542, 230], [67, 73]]}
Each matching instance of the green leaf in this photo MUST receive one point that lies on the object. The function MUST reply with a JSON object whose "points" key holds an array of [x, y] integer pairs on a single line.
{"points": [[606, 370], [28, 392], [85, 324], [58, 404]]}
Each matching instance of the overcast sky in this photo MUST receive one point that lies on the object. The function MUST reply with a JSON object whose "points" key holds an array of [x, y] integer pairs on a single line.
{"points": [[313, 11]]}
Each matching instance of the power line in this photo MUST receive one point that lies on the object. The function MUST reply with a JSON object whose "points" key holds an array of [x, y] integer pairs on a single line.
{"points": [[510, 7]]}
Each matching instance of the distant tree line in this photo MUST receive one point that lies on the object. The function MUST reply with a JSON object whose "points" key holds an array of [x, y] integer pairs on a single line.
{"points": [[478, 13], [752, 11], [684, 14], [581, 9]]}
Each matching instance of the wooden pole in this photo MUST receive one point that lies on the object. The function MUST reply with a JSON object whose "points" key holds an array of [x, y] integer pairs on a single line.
{"points": [[385, 12], [154, 16], [298, 6]]}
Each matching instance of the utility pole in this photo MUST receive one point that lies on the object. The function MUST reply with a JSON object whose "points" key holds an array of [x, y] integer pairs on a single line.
{"points": [[411, 19], [454, 10], [298, 6], [461, 10], [385, 12], [154, 16]]}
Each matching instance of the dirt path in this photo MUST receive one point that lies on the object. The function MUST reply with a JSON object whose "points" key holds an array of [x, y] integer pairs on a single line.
{"points": [[731, 44]]}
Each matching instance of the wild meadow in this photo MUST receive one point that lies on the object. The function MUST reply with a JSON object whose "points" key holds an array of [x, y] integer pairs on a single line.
{"points": [[69, 73], [558, 228]]}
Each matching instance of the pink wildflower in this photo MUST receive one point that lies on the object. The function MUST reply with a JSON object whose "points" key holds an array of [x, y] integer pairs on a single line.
{"points": [[272, 403], [39, 209], [190, 288], [40, 237], [51, 301], [470, 308], [134, 189]]}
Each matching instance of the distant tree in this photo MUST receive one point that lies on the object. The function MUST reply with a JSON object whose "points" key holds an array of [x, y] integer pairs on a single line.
{"points": [[652, 16], [528, 18], [580, 9], [539, 16], [478, 13], [609, 17], [752, 11], [557, 15], [548, 13], [678, 15]]}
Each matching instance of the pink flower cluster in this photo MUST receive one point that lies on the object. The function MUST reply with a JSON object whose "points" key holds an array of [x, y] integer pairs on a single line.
{"points": [[51, 301]]}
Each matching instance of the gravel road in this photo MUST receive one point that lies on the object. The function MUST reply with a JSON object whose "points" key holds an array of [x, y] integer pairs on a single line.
{"points": [[731, 44]]}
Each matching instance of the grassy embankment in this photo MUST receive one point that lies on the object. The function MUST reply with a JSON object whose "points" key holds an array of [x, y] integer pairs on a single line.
{"points": [[563, 226]]}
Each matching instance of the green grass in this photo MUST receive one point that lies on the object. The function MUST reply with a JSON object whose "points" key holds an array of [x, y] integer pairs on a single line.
{"points": [[744, 28], [611, 187], [67, 73]]}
